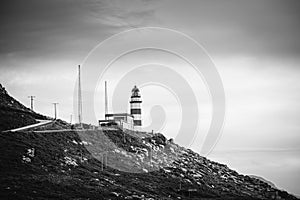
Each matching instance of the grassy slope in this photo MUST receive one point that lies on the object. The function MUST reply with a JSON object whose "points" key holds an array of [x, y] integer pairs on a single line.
{"points": [[48, 175], [13, 114]]}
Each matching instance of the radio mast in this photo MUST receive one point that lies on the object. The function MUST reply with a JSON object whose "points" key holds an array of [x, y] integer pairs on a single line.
{"points": [[106, 103], [79, 99]]}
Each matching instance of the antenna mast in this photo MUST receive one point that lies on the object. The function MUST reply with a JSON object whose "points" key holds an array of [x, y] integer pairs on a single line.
{"points": [[79, 99], [106, 103]]}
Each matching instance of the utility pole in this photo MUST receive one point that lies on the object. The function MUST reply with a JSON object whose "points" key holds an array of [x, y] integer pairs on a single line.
{"points": [[31, 101], [55, 110]]}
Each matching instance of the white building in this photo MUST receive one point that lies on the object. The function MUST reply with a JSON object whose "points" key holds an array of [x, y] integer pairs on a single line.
{"points": [[132, 121], [123, 120]]}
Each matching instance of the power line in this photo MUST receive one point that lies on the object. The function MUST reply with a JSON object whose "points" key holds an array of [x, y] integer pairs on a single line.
{"points": [[31, 101], [55, 113]]}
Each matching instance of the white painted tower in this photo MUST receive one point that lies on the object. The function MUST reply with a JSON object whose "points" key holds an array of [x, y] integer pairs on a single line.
{"points": [[135, 107]]}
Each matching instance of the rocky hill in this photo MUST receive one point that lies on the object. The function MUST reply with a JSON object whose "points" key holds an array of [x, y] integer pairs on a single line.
{"points": [[55, 162], [264, 180]]}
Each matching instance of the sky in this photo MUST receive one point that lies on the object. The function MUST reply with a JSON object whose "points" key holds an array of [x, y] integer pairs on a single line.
{"points": [[254, 46]]}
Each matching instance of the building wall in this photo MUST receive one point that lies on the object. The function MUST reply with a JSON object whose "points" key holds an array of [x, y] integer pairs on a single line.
{"points": [[126, 122], [126, 125]]}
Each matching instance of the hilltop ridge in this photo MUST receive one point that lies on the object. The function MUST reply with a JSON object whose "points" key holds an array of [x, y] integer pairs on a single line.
{"points": [[56, 162]]}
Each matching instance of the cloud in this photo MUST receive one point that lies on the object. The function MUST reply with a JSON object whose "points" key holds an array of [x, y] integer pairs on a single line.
{"points": [[55, 29], [260, 28]]}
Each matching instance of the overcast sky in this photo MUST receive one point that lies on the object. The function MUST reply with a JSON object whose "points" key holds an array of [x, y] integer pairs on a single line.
{"points": [[254, 44]]}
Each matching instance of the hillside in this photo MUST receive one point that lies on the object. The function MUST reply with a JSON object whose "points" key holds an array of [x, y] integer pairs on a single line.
{"points": [[55, 162], [13, 114], [264, 180]]}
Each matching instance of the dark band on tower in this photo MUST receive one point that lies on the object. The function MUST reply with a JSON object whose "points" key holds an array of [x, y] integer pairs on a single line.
{"points": [[135, 106]]}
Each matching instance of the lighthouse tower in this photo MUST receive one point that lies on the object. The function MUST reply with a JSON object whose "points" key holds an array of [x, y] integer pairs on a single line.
{"points": [[135, 107]]}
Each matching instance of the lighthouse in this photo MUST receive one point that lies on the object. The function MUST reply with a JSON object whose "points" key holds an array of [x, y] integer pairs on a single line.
{"points": [[135, 107], [125, 121]]}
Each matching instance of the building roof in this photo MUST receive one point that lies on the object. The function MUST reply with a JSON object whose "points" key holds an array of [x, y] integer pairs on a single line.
{"points": [[118, 115], [135, 92], [135, 89]]}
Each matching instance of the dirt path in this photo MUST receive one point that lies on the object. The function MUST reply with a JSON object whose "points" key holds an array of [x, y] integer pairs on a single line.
{"points": [[41, 123]]}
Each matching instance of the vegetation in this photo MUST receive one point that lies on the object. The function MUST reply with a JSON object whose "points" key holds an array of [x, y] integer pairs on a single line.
{"points": [[56, 162]]}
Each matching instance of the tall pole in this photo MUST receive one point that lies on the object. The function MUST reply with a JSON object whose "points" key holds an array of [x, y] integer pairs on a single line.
{"points": [[31, 101], [79, 99], [55, 113], [106, 103]]}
